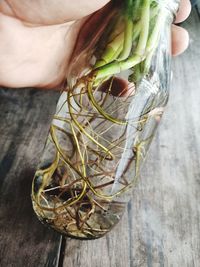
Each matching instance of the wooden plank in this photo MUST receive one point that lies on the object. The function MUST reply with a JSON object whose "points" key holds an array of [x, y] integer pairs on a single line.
{"points": [[24, 123], [161, 226], [198, 4]]}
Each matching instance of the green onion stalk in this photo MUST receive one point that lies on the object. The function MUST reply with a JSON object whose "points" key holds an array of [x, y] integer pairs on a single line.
{"points": [[117, 87]]}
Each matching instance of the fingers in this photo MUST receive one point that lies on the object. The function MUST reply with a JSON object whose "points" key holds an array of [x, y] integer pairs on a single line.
{"points": [[184, 11], [180, 40], [180, 37]]}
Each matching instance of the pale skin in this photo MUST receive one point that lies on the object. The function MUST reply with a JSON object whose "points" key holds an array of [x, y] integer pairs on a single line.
{"points": [[37, 39]]}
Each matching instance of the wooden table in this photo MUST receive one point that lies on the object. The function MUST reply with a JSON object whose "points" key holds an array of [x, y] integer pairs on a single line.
{"points": [[161, 226]]}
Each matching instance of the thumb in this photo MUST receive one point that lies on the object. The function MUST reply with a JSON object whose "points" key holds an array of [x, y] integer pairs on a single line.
{"points": [[47, 12]]}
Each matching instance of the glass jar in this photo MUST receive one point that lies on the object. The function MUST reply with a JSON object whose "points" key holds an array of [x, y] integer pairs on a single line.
{"points": [[118, 86]]}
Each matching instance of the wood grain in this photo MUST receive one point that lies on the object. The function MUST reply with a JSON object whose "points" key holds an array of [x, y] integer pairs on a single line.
{"points": [[24, 123], [161, 226]]}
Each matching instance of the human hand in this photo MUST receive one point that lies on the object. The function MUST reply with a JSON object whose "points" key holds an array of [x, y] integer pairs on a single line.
{"points": [[180, 37], [37, 38]]}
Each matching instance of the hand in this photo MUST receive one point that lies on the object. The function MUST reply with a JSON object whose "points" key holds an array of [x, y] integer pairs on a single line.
{"points": [[180, 37], [37, 38]]}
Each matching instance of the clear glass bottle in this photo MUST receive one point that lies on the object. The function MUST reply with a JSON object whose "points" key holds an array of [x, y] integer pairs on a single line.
{"points": [[118, 86]]}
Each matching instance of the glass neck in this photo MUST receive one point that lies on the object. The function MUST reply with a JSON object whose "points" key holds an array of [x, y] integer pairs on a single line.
{"points": [[171, 5]]}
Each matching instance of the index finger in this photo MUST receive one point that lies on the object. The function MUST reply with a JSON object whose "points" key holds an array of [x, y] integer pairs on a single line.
{"points": [[184, 11]]}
